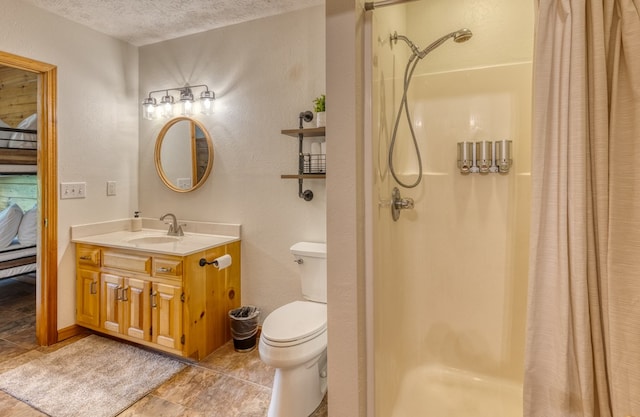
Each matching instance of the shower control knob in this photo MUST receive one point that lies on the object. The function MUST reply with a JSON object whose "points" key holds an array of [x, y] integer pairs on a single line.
{"points": [[404, 203], [398, 203]]}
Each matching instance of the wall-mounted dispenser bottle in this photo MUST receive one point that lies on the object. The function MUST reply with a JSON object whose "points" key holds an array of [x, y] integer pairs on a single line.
{"points": [[503, 155], [466, 157], [484, 156]]}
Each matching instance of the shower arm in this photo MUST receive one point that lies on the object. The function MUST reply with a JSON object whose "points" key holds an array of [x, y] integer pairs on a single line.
{"points": [[394, 38]]}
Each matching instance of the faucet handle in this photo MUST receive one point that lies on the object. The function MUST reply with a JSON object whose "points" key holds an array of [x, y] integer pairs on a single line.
{"points": [[180, 232]]}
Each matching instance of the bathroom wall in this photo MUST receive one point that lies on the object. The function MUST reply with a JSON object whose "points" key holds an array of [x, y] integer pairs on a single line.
{"points": [[450, 276], [97, 121], [264, 73]]}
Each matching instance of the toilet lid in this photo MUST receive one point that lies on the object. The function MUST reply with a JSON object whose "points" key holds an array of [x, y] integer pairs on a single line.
{"points": [[295, 321]]}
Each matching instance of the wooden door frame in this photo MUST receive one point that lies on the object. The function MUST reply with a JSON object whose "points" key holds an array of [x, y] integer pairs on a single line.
{"points": [[47, 282]]}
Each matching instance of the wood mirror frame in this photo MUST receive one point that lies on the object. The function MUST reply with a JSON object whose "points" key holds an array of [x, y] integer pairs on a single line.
{"points": [[198, 172]]}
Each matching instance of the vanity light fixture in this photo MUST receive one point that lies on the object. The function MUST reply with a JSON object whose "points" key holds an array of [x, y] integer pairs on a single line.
{"points": [[166, 106], [151, 109], [186, 102], [206, 102]]}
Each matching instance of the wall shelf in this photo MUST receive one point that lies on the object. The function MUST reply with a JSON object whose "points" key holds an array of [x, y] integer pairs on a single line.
{"points": [[307, 132], [300, 134], [303, 176]]}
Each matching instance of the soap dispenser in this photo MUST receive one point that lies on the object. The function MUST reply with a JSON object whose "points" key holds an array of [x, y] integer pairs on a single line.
{"points": [[136, 222]]}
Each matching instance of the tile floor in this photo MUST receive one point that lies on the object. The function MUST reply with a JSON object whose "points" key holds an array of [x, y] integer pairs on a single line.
{"points": [[224, 384]]}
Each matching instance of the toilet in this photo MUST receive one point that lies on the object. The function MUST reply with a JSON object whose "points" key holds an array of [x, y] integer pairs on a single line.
{"points": [[294, 339]]}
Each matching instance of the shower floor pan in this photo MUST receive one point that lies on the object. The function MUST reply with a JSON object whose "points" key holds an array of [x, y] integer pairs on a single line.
{"points": [[438, 391]]}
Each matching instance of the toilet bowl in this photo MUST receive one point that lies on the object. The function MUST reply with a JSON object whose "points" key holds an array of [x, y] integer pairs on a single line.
{"points": [[294, 340]]}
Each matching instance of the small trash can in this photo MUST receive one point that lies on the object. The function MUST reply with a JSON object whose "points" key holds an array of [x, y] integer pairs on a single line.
{"points": [[244, 327]]}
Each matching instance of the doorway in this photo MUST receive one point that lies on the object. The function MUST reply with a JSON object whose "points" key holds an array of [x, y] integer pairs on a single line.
{"points": [[46, 281]]}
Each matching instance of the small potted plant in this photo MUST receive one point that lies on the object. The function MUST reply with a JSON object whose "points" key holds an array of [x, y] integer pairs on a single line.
{"points": [[319, 107]]}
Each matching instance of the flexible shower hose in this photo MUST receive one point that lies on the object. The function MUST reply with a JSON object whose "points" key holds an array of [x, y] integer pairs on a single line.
{"points": [[408, 73]]}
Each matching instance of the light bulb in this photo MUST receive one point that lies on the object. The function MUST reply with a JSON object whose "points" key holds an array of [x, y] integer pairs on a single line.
{"points": [[166, 106], [148, 108], [206, 102], [187, 108]]}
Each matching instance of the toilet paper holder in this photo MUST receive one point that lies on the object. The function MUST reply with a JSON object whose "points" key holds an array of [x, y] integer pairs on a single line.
{"points": [[204, 262], [215, 262]]}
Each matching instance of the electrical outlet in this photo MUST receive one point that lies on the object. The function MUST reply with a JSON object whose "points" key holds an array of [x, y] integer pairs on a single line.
{"points": [[111, 188], [73, 190]]}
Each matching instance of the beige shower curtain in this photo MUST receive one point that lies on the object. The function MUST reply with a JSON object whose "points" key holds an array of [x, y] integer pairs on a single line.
{"points": [[583, 330]]}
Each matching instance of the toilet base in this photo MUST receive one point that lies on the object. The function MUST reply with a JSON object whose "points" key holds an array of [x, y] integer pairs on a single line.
{"points": [[298, 391]]}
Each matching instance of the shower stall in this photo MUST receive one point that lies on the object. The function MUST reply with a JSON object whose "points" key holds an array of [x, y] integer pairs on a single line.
{"points": [[448, 280]]}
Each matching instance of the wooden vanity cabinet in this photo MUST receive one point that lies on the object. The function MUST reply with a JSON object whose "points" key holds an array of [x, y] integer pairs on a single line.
{"points": [[88, 285], [167, 302]]}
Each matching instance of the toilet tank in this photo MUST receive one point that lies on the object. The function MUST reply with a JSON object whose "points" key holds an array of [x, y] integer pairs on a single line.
{"points": [[312, 263]]}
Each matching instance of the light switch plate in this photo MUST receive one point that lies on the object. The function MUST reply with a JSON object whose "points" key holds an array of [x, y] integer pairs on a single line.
{"points": [[73, 190], [111, 188]]}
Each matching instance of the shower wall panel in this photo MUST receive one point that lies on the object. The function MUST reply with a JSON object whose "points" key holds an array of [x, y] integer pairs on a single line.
{"points": [[450, 276]]}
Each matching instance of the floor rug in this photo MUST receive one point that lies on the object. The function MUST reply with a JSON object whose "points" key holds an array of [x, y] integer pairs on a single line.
{"points": [[94, 376]]}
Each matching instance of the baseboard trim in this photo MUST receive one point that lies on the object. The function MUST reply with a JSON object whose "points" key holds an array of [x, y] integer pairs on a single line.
{"points": [[69, 332]]}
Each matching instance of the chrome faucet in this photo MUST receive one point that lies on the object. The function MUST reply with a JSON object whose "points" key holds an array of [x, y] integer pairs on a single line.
{"points": [[174, 229]]}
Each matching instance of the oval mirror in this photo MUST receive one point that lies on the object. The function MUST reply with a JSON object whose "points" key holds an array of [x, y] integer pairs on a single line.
{"points": [[184, 154]]}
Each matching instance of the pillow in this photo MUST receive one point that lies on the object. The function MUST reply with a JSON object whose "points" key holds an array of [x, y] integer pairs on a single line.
{"points": [[28, 230], [25, 140], [9, 223]]}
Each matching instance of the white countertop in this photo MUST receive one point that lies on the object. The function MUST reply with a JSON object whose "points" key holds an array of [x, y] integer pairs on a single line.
{"points": [[107, 234]]}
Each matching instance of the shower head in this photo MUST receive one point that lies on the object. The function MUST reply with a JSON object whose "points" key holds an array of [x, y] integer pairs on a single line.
{"points": [[458, 36], [462, 35]]}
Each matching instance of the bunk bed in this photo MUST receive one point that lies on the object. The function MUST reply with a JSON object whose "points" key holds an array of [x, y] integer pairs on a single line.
{"points": [[18, 146], [18, 238], [17, 259], [18, 168]]}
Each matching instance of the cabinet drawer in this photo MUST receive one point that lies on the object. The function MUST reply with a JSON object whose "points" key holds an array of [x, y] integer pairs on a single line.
{"points": [[88, 256], [163, 267], [133, 263]]}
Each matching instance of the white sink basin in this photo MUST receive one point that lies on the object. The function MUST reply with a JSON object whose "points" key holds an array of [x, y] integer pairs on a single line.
{"points": [[151, 240]]}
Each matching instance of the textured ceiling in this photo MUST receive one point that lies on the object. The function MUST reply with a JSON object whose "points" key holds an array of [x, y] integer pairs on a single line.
{"points": [[142, 22]]}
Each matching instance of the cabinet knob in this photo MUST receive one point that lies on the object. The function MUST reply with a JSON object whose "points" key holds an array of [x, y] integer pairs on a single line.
{"points": [[164, 269]]}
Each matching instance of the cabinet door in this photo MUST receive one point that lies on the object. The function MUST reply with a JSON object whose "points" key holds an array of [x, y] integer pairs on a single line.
{"points": [[110, 302], [137, 309], [166, 313], [88, 298]]}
